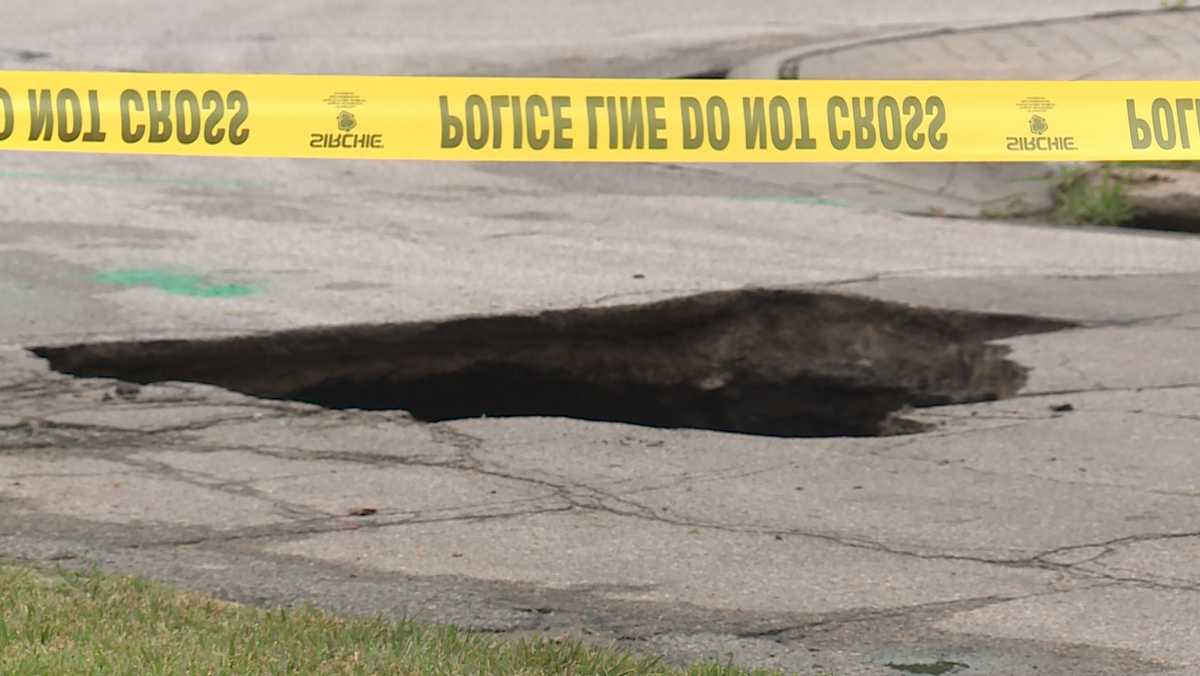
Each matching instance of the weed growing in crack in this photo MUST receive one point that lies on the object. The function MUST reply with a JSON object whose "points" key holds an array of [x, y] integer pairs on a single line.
{"points": [[1084, 201]]}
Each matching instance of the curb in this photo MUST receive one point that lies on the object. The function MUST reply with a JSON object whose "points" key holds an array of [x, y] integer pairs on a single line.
{"points": [[783, 65]]}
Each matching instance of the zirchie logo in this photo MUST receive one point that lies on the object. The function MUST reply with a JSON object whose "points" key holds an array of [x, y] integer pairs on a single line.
{"points": [[347, 122], [1038, 139]]}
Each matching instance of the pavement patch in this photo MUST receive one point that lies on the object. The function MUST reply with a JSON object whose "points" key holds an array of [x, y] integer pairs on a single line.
{"points": [[786, 363]]}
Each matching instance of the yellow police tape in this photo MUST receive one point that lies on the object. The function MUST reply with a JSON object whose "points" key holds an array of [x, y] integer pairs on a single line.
{"points": [[597, 120]]}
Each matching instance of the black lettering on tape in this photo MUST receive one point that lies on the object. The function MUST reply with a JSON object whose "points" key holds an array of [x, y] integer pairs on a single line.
{"points": [[1164, 123], [708, 123], [1182, 106], [1195, 107], [187, 117], [498, 102], [538, 139], [780, 118], [915, 114], [656, 124], [452, 127], [238, 133], [805, 141], [70, 115], [837, 107], [160, 116], [518, 123], [632, 123], [937, 108], [41, 115], [717, 123], [6, 115], [94, 133], [889, 123], [593, 103], [864, 121], [131, 100], [691, 116], [754, 111], [610, 104], [562, 123], [477, 130], [212, 102], [1139, 129], [348, 141]]}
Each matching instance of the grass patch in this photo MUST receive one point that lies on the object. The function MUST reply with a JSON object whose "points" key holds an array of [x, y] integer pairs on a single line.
{"points": [[1082, 201], [72, 623], [1181, 165]]}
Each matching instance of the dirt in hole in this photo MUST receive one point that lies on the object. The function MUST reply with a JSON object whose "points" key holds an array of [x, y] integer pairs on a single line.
{"points": [[939, 667], [774, 362], [709, 74], [1145, 221]]}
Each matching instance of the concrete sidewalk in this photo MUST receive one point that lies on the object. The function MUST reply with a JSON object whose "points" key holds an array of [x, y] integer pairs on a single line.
{"points": [[1131, 45]]}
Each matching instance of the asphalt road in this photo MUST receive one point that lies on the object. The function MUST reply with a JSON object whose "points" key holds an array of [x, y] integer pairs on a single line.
{"points": [[622, 37], [1016, 534]]}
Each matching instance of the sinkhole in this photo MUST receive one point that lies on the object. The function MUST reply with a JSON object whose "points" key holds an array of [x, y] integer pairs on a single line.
{"points": [[780, 362]]}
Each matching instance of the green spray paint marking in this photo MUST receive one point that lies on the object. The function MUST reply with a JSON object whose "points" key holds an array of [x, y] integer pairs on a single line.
{"points": [[180, 285]]}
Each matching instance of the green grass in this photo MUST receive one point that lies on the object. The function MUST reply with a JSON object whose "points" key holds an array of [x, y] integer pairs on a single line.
{"points": [[1182, 165], [71, 623], [1082, 201]]}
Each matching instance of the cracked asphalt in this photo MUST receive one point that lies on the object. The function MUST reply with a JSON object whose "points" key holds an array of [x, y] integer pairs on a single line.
{"points": [[1016, 535], [1055, 532]]}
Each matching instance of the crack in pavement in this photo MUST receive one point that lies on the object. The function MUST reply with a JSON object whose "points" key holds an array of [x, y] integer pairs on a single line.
{"points": [[205, 481], [295, 530], [576, 495], [839, 620], [1080, 566], [508, 609], [1035, 394]]}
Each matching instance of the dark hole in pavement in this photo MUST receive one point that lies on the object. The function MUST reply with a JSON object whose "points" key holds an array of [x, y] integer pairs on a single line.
{"points": [[31, 55], [1166, 223], [710, 74], [771, 362], [940, 667]]}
